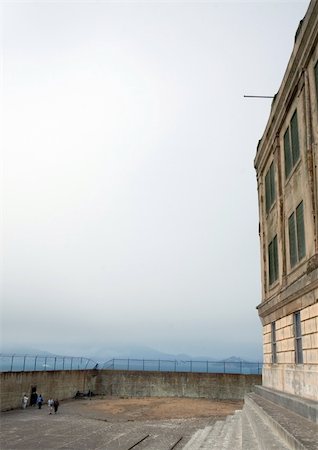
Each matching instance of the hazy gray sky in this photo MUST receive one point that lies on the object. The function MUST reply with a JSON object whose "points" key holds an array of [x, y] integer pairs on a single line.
{"points": [[130, 208]]}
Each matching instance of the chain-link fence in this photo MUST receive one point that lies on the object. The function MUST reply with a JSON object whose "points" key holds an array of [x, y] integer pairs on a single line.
{"points": [[238, 367], [24, 363]]}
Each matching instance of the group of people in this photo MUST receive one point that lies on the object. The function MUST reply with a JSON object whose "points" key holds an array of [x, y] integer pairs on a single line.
{"points": [[53, 404]]}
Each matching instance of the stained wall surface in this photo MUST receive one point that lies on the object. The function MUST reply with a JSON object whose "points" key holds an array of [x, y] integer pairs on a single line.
{"points": [[65, 384]]}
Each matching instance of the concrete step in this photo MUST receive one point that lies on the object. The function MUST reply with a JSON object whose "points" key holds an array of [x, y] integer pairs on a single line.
{"points": [[249, 441], [235, 436], [214, 435], [302, 406], [292, 430], [222, 439], [198, 439], [267, 440]]}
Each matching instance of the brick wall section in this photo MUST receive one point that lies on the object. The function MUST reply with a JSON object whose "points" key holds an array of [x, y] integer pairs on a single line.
{"points": [[285, 340], [267, 344], [65, 384], [301, 379], [309, 328]]}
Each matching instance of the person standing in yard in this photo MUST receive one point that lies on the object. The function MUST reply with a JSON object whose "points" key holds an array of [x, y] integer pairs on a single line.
{"points": [[56, 405], [40, 401], [50, 404], [25, 401]]}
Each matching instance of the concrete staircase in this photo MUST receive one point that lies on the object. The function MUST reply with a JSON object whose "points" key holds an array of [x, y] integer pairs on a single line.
{"points": [[269, 420], [222, 435]]}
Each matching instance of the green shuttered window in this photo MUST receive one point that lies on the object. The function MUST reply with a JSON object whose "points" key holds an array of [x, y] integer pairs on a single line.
{"points": [[273, 261], [301, 245], [296, 232], [270, 191], [298, 339], [291, 145], [316, 80], [274, 347]]}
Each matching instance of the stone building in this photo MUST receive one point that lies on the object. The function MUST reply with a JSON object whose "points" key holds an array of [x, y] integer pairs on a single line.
{"points": [[286, 164]]}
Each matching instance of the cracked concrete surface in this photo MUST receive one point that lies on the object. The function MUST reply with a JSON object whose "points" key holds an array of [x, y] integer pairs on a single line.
{"points": [[111, 423]]}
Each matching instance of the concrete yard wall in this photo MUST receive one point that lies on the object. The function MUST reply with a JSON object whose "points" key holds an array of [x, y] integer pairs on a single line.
{"points": [[65, 384], [217, 386], [61, 384]]}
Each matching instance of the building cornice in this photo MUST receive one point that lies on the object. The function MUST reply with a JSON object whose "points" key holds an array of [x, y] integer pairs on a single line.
{"points": [[304, 285]]}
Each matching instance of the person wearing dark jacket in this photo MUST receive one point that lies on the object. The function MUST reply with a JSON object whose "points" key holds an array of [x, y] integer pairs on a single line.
{"points": [[40, 401], [56, 405]]}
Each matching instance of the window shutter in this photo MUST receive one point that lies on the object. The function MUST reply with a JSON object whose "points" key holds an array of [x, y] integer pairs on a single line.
{"points": [[270, 262], [267, 192], [294, 138], [316, 79], [300, 231], [272, 183], [288, 160], [292, 240], [275, 257]]}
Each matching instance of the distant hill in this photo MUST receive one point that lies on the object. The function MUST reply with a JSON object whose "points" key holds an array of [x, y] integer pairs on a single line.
{"points": [[103, 354]]}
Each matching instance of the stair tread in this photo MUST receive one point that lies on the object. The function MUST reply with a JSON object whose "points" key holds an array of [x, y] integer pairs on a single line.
{"points": [[303, 430]]}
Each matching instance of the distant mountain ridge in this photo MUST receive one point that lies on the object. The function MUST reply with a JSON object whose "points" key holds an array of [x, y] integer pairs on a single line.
{"points": [[103, 354]]}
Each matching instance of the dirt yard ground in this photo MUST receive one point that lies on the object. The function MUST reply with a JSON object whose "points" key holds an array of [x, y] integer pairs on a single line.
{"points": [[129, 409]]}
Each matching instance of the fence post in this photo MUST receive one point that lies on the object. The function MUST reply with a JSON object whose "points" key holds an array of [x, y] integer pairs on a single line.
{"points": [[175, 365], [45, 359], [63, 361], [223, 366], [207, 366], [143, 365], [35, 362], [24, 363], [55, 363], [128, 364], [240, 367], [191, 365], [159, 365], [72, 363], [11, 363]]}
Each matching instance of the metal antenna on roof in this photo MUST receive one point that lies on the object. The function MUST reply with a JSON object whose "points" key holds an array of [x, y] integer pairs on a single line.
{"points": [[258, 96]]}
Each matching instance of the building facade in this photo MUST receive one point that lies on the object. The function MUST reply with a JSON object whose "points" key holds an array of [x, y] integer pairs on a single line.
{"points": [[286, 165]]}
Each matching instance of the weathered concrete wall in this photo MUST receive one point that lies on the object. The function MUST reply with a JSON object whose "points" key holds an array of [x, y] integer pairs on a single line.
{"points": [[65, 384], [174, 384], [60, 384]]}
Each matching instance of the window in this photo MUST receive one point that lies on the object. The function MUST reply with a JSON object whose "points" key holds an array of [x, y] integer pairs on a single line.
{"points": [[270, 192], [273, 261], [296, 229], [316, 79], [291, 145], [274, 352], [298, 340]]}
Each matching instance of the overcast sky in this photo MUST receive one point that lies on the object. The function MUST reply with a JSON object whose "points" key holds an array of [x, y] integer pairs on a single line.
{"points": [[130, 208]]}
